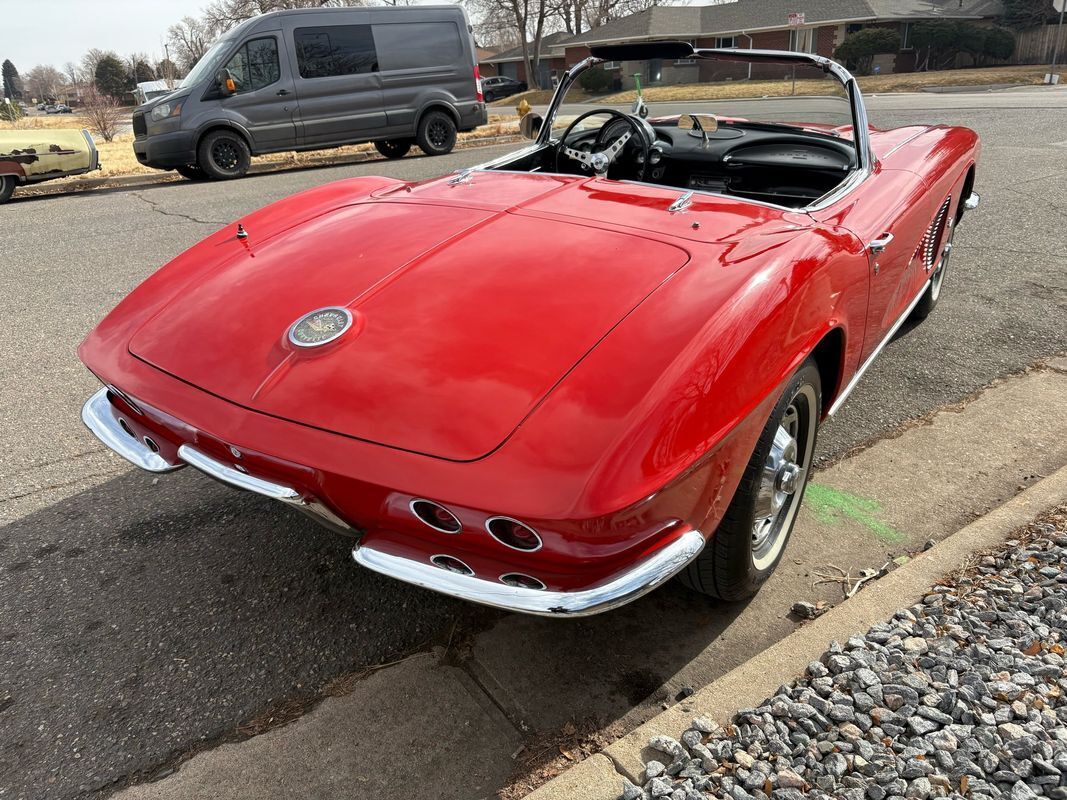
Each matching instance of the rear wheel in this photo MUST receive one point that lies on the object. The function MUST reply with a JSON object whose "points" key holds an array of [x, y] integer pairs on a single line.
{"points": [[752, 536], [224, 155], [191, 172], [7, 187], [437, 133], [394, 148]]}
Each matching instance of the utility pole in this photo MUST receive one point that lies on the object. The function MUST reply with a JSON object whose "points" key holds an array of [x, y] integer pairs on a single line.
{"points": [[1061, 6]]}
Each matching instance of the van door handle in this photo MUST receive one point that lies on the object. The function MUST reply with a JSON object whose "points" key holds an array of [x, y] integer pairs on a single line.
{"points": [[283, 91], [879, 245]]}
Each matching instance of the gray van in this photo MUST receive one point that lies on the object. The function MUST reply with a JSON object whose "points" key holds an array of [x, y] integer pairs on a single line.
{"points": [[310, 79]]}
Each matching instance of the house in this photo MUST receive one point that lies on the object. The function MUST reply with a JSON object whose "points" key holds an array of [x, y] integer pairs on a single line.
{"points": [[511, 63], [483, 54], [765, 24]]}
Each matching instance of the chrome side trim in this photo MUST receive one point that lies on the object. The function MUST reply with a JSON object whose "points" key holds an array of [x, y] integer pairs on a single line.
{"points": [[99, 417], [840, 401], [250, 483], [972, 201], [622, 588]]}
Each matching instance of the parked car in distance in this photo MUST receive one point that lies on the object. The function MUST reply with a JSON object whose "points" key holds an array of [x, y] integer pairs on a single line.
{"points": [[501, 86], [63, 108], [553, 381], [50, 109], [41, 106], [32, 156], [310, 79]]}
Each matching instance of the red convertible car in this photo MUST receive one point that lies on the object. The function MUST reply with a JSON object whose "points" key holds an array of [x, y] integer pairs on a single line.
{"points": [[554, 381]]}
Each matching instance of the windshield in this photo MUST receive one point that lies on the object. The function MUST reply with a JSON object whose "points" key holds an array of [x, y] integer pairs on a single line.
{"points": [[208, 64], [735, 92]]}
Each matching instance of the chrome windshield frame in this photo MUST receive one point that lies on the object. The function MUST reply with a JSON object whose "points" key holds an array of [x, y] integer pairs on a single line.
{"points": [[861, 135]]}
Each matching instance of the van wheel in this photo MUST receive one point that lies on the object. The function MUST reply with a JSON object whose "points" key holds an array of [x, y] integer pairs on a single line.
{"points": [[7, 187], [394, 148], [191, 172], [223, 155], [437, 133]]}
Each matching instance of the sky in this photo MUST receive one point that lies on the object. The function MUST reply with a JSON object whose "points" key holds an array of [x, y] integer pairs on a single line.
{"points": [[57, 31]]}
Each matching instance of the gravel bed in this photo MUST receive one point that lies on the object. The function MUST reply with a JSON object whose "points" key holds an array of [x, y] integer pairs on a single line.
{"points": [[961, 695]]}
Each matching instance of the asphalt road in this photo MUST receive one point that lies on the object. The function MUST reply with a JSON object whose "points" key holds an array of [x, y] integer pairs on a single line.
{"points": [[142, 616]]}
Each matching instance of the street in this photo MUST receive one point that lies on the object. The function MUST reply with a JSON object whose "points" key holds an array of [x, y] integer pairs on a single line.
{"points": [[143, 618]]}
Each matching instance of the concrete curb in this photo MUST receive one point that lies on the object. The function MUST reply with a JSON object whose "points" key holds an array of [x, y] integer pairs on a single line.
{"points": [[124, 181], [759, 677]]}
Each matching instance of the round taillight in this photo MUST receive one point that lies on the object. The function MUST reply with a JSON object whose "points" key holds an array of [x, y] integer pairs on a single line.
{"points": [[452, 564], [436, 516], [521, 581], [514, 534]]}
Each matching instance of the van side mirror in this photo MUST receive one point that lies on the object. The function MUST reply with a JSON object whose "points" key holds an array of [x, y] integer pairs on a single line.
{"points": [[530, 125], [227, 85]]}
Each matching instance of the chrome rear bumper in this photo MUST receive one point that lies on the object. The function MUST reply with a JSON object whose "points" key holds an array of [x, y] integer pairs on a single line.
{"points": [[644, 576], [98, 416]]}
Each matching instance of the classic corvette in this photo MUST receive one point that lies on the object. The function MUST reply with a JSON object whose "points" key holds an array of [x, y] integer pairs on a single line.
{"points": [[551, 382], [32, 156]]}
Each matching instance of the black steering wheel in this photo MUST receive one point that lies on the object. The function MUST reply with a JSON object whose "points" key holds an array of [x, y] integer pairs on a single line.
{"points": [[601, 160]]}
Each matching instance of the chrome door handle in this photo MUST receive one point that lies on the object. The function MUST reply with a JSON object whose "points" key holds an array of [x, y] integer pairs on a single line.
{"points": [[879, 245]]}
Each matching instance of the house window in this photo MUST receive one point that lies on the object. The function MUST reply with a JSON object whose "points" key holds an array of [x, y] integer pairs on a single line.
{"points": [[905, 36], [610, 65], [802, 40], [726, 41]]}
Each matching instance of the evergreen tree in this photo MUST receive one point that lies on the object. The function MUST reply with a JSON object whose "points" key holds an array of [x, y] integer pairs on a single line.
{"points": [[12, 82], [111, 77]]}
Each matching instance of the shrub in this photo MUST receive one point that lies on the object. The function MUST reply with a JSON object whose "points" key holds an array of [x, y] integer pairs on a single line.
{"points": [[860, 48], [595, 81]]}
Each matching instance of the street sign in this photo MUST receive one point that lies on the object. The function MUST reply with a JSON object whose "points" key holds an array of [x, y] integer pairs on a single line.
{"points": [[1059, 5], [796, 18]]}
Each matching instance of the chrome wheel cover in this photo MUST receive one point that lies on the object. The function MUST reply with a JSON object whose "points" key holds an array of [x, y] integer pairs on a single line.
{"points": [[784, 475], [938, 277]]}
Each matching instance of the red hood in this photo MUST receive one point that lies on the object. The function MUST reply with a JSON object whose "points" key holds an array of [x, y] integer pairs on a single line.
{"points": [[466, 315]]}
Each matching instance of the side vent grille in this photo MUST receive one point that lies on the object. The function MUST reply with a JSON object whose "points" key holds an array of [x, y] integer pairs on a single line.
{"points": [[933, 236]]}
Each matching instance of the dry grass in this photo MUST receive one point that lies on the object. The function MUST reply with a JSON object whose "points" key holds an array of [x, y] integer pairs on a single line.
{"points": [[117, 157], [870, 84]]}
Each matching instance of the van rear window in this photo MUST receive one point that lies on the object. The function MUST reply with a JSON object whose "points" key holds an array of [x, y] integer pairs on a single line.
{"points": [[335, 50], [418, 45]]}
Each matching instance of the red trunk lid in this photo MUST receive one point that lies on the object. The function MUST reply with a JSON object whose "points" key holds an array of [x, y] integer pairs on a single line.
{"points": [[465, 318]]}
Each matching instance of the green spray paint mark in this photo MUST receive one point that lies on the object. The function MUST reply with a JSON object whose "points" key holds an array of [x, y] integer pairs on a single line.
{"points": [[829, 505]]}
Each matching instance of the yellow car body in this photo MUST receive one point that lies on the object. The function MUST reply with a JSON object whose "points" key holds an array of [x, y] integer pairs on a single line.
{"points": [[34, 155]]}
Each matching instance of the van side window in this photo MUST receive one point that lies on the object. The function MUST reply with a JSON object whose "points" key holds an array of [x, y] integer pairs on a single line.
{"points": [[335, 50], [255, 65], [418, 45]]}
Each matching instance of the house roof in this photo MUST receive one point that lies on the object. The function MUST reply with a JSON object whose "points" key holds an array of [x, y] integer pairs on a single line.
{"points": [[665, 22], [548, 44], [686, 22], [936, 9]]}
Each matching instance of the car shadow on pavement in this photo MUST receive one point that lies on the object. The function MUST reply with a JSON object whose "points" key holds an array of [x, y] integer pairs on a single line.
{"points": [[151, 615]]}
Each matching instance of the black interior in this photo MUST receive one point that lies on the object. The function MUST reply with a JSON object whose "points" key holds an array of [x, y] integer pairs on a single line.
{"points": [[778, 164]]}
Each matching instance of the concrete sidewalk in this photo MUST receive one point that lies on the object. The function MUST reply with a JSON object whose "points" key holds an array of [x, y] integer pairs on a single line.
{"points": [[453, 728]]}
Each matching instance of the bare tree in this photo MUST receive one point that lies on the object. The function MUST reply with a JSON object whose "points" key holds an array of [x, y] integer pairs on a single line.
{"points": [[221, 15], [527, 19], [189, 39], [44, 81], [89, 62], [102, 114]]}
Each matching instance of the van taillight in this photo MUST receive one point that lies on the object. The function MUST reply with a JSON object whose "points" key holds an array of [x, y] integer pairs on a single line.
{"points": [[478, 84]]}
